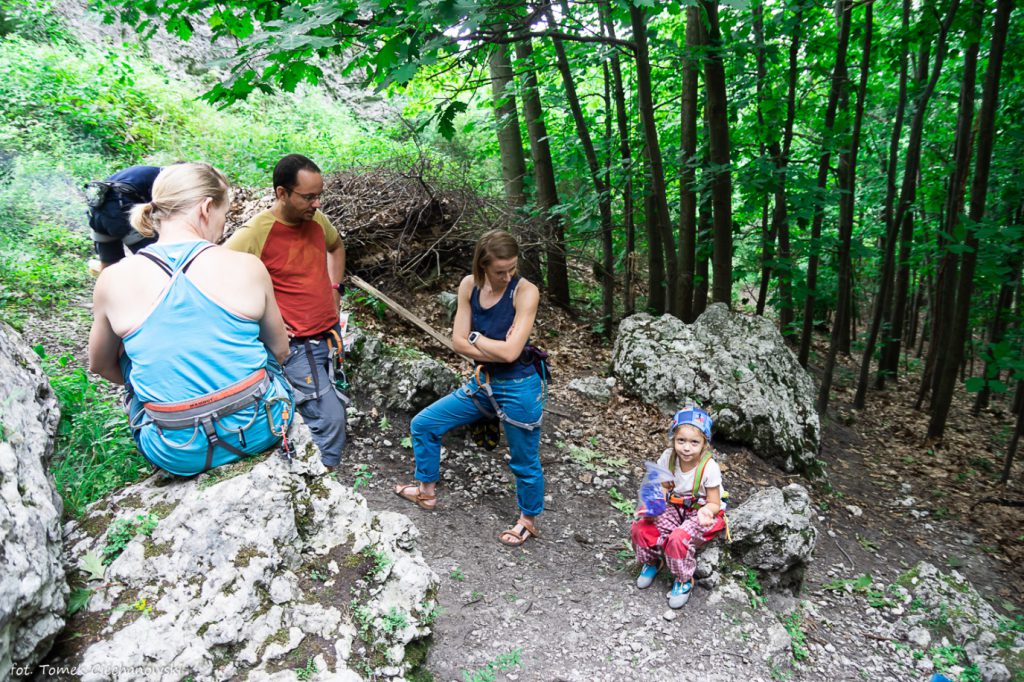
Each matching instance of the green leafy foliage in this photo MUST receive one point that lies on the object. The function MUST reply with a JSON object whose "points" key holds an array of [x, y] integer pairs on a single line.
{"points": [[95, 452], [362, 477], [122, 531], [92, 565], [79, 599], [596, 461], [308, 672], [503, 662], [798, 639], [621, 503]]}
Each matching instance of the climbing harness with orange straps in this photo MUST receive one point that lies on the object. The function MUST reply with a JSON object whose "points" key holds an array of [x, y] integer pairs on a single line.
{"points": [[483, 382], [203, 414], [691, 500]]}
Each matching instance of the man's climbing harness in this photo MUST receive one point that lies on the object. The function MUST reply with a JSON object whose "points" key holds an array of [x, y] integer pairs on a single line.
{"points": [[338, 382]]}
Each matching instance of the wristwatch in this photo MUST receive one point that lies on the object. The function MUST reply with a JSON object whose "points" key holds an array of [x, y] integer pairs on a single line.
{"points": [[339, 287], [473, 336]]}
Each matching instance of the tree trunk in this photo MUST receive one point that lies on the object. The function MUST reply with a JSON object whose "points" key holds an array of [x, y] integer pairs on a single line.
{"points": [[718, 150], [847, 194], [544, 178], [688, 165], [908, 192], [1018, 429], [513, 162], [704, 246], [601, 190], [819, 213], [883, 300], [979, 187], [607, 243], [767, 235], [661, 218], [629, 294]]}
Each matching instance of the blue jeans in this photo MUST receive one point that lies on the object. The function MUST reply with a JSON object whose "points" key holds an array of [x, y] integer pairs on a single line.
{"points": [[522, 399]]}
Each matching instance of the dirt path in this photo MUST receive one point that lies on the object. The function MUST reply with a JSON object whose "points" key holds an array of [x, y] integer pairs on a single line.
{"points": [[564, 607]]}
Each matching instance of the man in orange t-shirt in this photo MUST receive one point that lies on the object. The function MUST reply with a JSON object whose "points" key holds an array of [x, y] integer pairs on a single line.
{"points": [[305, 257]]}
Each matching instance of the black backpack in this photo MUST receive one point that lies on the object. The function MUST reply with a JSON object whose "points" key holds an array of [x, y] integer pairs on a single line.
{"points": [[98, 192]]}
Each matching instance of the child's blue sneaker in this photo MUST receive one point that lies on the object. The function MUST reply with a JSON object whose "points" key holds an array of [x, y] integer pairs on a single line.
{"points": [[646, 576], [680, 594]]}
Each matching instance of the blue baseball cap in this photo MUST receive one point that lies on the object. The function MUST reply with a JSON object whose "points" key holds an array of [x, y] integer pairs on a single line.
{"points": [[692, 416]]}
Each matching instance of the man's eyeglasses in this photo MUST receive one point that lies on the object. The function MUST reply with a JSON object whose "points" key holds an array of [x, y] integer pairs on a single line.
{"points": [[309, 198]]}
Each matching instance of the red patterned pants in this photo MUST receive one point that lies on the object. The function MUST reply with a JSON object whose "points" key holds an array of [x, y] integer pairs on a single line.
{"points": [[677, 536]]}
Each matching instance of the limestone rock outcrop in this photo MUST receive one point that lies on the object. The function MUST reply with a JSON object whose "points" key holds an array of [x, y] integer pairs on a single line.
{"points": [[33, 590]]}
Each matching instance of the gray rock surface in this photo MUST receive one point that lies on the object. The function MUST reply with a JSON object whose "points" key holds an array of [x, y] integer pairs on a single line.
{"points": [[450, 303], [949, 609], [772, 533], [735, 366], [33, 591], [592, 388], [396, 378], [246, 571]]}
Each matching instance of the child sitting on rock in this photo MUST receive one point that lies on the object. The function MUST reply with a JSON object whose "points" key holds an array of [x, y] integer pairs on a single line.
{"points": [[693, 514]]}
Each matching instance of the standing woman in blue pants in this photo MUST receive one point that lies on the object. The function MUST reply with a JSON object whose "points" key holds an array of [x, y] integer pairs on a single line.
{"points": [[496, 311]]}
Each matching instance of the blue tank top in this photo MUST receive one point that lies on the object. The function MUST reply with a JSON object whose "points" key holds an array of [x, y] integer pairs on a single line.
{"points": [[494, 323], [189, 345]]}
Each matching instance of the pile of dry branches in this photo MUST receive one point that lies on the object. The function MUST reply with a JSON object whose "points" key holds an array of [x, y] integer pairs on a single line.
{"points": [[399, 222]]}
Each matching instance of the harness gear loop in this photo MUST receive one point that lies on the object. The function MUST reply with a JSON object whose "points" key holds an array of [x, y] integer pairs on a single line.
{"points": [[336, 359], [286, 417], [496, 409]]}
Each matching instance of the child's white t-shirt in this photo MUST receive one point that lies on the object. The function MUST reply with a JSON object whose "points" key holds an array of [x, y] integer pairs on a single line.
{"points": [[684, 480]]}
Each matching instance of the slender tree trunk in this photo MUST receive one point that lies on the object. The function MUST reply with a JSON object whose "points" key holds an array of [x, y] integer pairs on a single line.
{"points": [[979, 187], [513, 162], [1018, 429], [718, 149], [888, 362], [622, 121], [705, 223], [883, 301], [768, 235], [818, 199], [908, 193], [660, 218], [847, 193], [607, 243], [688, 164], [780, 216], [603, 196], [655, 260], [544, 178], [940, 351]]}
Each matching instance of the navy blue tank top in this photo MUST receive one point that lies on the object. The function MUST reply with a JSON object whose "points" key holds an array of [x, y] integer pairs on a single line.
{"points": [[494, 323]]}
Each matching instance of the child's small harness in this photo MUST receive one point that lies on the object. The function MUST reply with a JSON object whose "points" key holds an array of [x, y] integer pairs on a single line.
{"points": [[204, 412], [691, 500]]}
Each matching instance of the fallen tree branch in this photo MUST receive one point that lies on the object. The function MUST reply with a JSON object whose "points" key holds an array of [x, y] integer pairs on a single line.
{"points": [[405, 313]]}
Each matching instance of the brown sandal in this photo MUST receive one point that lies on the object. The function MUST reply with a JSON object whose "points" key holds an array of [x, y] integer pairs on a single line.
{"points": [[518, 534], [427, 502]]}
